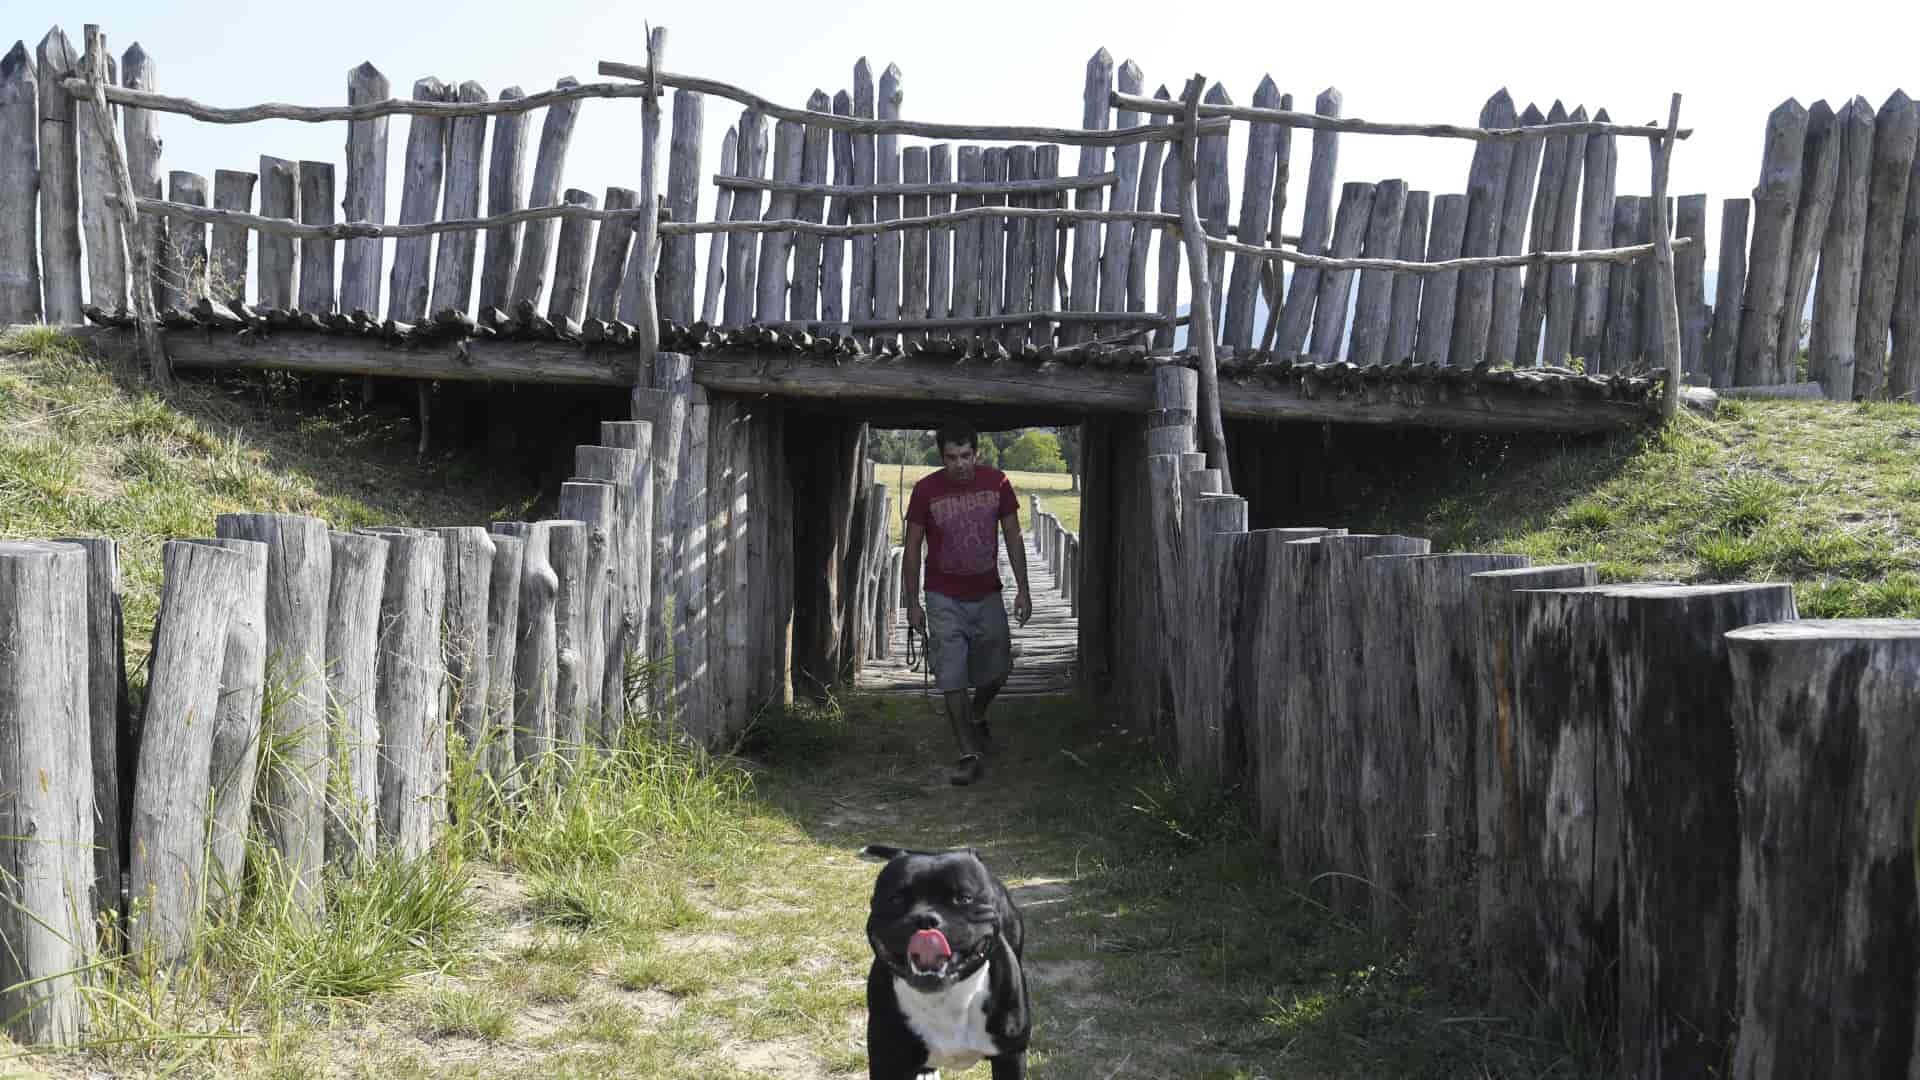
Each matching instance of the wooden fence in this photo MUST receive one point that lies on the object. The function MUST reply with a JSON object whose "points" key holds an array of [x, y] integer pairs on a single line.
{"points": [[1678, 813]]}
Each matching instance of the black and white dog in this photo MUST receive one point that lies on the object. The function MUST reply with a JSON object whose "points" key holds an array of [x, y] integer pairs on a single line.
{"points": [[946, 988]]}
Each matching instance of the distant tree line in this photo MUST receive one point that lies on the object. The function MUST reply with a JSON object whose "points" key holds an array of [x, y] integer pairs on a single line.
{"points": [[1039, 449]]}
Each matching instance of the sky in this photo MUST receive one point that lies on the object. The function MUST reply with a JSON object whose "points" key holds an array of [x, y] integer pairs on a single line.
{"points": [[992, 61]]}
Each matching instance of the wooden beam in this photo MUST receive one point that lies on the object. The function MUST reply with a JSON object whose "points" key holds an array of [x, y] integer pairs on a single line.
{"points": [[1318, 122]]}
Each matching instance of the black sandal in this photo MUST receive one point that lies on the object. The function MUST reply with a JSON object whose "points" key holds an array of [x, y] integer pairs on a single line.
{"points": [[968, 770]]}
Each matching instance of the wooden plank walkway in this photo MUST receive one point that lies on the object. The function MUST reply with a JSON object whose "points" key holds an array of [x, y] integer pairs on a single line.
{"points": [[1043, 650]]}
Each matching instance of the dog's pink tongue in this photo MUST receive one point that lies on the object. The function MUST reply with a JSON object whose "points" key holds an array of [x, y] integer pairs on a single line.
{"points": [[928, 948]]}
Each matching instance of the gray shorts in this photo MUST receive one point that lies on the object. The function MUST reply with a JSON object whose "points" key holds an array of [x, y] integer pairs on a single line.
{"points": [[968, 644]]}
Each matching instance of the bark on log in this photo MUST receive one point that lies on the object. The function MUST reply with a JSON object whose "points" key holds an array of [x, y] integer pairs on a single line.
{"points": [[316, 254], [365, 194], [410, 694], [453, 258], [1403, 321], [1440, 292], [279, 198], [536, 243], [1330, 309], [299, 570], [46, 828], [1316, 226], [1504, 326], [1822, 711], [573, 262], [677, 253], [1896, 134], [1821, 164], [1680, 866], [568, 551], [1347, 675], [503, 642], [1836, 301], [1487, 184], [468, 572], [1373, 304], [358, 576], [1775, 202], [1591, 280], [611, 248], [60, 274], [227, 270], [412, 277], [20, 300], [233, 764], [1731, 284], [742, 260], [1506, 824], [166, 870], [506, 186], [596, 505]]}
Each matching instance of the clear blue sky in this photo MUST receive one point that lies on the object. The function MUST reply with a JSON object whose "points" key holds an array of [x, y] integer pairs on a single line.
{"points": [[997, 62]]}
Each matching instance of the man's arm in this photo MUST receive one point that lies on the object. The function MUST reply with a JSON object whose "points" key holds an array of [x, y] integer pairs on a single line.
{"points": [[1017, 556], [910, 576]]}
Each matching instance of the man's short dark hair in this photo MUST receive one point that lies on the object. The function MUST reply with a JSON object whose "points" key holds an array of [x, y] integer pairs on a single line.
{"points": [[956, 432]]}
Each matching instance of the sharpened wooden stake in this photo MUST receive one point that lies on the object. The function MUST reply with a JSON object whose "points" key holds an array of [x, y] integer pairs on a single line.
{"points": [[1201, 326]]}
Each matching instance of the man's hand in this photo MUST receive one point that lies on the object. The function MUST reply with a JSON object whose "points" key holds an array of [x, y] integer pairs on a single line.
{"points": [[916, 618], [1022, 606]]}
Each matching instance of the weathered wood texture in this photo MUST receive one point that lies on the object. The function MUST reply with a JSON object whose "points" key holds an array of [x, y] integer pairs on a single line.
{"points": [[1347, 674], [20, 297], [1116, 271], [1256, 204], [1392, 743], [279, 198], [1730, 285], [630, 473], [503, 642], [1690, 288], [299, 572], [166, 860], [1836, 300], [140, 129], [410, 691], [365, 194], [677, 253], [1776, 200], [861, 209], [99, 222], [316, 253], [1316, 227], [1085, 280], [1591, 280], [227, 259], [536, 242], [1903, 367], [1214, 743], [1522, 172], [611, 248], [1820, 164], [1562, 281], [1141, 237], [713, 289], [776, 248], [1216, 203], [46, 827], [1269, 606], [1540, 225], [1373, 304], [1330, 309], [454, 255], [1403, 319], [1822, 715], [568, 552], [468, 574], [358, 575], [506, 193], [597, 506], [109, 718], [1506, 824], [573, 265], [1439, 293], [1626, 301], [1488, 181], [886, 246], [60, 272], [233, 761], [1896, 134], [1293, 804], [940, 240], [185, 268], [409, 290], [742, 254], [1679, 816]]}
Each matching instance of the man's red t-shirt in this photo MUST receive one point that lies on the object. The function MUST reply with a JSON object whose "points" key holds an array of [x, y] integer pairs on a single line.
{"points": [[962, 522]]}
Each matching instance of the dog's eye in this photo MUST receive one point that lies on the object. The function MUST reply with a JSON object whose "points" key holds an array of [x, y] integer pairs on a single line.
{"points": [[963, 898]]}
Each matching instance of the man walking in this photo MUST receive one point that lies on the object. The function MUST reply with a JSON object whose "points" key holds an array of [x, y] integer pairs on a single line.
{"points": [[962, 511]]}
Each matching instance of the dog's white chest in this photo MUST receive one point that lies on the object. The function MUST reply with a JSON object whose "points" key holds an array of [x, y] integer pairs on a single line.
{"points": [[953, 1023]]}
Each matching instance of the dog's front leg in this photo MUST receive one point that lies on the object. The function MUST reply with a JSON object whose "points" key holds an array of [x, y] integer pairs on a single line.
{"points": [[1010, 1066]]}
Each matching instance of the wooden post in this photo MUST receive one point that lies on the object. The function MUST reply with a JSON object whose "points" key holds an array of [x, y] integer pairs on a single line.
{"points": [[1624, 301], [1393, 744], [148, 349], [316, 253], [358, 576], [886, 246], [1903, 370], [742, 263], [1330, 310], [1562, 281], [503, 643], [1316, 226], [573, 266], [110, 721], [1213, 713], [106, 244], [574, 681], [1555, 159], [453, 258], [1592, 280], [1441, 291], [1172, 194], [19, 188], [46, 827], [468, 572], [1084, 294], [1166, 473], [536, 242], [913, 276], [630, 473], [60, 275], [412, 277], [816, 146], [1373, 307], [1116, 269], [279, 198], [1775, 201], [1504, 822], [1680, 877], [1256, 202], [993, 240], [365, 197], [167, 857], [1690, 288], [1895, 132], [1666, 302], [1820, 163], [1263, 662], [776, 248], [1403, 321], [644, 311], [717, 247], [227, 266], [1141, 236], [1487, 185], [1504, 327], [1216, 202], [664, 410], [597, 506], [233, 762], [1827, 927], [506, 192], [833, 272], [611, 248], [860, 272], [1723, 340], [1020, 261], [968, 246], [184, 271], [940, 242], [410, 691], [299, 569], [677, 270], [1836, 301], [1300, 804], [1200, 328]]}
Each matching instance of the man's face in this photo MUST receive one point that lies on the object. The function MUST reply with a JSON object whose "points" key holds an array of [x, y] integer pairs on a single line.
{"points": [[959, 459]]}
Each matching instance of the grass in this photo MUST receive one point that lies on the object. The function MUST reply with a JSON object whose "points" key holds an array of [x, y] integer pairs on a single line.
{"points": [[1056, 493]]}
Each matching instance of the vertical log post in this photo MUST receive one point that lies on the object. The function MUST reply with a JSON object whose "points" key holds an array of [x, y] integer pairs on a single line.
{"points": [[1116, 270], [742, 253], [20, 187], [60, 275], [573, 682], [279, 261], [612, 247], [1330, 310], [1316, 227], [645, 314], [1592, 280], [1441, 291], [410, 691], [316, 253], [453, 257], [148, 349], [1403, 320], [109, 718], [365, 197], [536, 242], [503, 644], [713, 289], [1820, 164], [184, 271], [1836, 299], [412, 277], [1262, 646], [1724, 340], [1084, 290], [1562, 281], [1373, 307], [1305, 734], [677, 253], [630, 473], [1776, 199], [1690, 288], [569, 304], [106, 244], [776, 248], [1487, 184], [1200, 327], [1896, 136], [1665, 291], [233, 765], [1503, 332], [597, 506], [358, 577], [506, 192], [468, 572], [227, 266]]}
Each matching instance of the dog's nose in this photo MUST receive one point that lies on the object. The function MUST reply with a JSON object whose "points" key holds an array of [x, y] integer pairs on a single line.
{"points": [[926, 920]]}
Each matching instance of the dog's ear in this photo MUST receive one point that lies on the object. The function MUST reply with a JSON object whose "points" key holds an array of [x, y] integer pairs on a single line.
{"points": [[882, 852]]}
